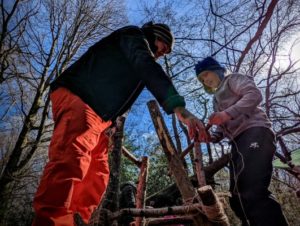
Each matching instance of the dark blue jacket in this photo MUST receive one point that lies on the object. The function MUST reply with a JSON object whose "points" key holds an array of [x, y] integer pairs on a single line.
{"points": [[113, 72]]}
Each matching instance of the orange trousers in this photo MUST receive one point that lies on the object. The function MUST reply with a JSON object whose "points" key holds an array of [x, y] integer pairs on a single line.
{"points": [[77, 173]]}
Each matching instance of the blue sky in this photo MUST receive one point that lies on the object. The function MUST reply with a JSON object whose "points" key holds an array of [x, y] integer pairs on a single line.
{"points": [[133, 11], [138, 123]]}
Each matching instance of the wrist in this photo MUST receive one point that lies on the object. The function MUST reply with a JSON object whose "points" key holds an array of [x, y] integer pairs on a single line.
{"points": [[179, 110], [182, 113], [226, 115]]}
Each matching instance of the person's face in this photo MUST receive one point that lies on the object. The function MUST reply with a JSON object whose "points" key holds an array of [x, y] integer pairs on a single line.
{"points": [[210, 79], [162, 48]]}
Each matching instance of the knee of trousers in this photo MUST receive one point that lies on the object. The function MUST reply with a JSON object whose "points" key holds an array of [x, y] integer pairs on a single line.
{"points": [[61, 172]]}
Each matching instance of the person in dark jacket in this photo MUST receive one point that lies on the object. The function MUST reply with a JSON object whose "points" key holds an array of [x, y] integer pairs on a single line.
{"points": [[239, 118], [86, 98]]}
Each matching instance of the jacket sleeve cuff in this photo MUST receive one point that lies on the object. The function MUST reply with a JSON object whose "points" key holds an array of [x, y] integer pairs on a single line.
{"points": [[172, 102], [232, 112]]}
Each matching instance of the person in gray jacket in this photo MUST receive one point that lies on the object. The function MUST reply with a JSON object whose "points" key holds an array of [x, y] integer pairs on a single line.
{"points": [[238, 117]]}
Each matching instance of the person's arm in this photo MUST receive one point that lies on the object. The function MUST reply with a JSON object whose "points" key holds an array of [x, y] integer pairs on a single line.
{"points": [[137, 51], [195, 126], [245, 87]]}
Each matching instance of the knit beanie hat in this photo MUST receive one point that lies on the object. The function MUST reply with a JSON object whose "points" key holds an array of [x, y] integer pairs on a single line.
{"points": [[209, 64], [160, 31]]}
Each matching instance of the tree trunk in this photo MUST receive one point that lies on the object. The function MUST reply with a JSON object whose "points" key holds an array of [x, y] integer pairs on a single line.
{"points": [[12, 167], [111, 199]]}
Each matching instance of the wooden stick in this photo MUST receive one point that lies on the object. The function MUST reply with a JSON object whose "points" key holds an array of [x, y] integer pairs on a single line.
{"points": [[131, 157], [171, 221], [212, 207], [187, 150], [141, 189], [199, 165], [157, 212]]}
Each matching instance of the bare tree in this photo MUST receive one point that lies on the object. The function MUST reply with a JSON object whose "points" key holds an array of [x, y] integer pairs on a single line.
{"points": [[54, 37], [38, 39], [14, 19]]}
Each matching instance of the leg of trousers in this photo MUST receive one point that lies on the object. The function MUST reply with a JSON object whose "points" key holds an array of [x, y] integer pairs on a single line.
{"points": [[77, 173], [250, 176]]}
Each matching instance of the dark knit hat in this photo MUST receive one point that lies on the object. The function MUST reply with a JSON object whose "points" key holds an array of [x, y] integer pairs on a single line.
{"points": [[162, 32], [208, 64]]}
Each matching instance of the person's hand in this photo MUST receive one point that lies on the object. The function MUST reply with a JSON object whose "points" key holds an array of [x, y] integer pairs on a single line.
{"points": [[219, 118], [196, 128]]}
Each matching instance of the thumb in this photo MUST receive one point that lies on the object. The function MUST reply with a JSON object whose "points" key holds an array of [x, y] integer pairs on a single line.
{"points": [[211, 117]]}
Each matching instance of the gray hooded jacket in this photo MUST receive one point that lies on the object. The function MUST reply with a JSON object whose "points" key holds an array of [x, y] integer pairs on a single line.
{"points": [[240, 98]]}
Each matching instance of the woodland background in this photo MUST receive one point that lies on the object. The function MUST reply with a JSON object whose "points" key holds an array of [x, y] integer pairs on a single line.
{"points": [[40, 38]]}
